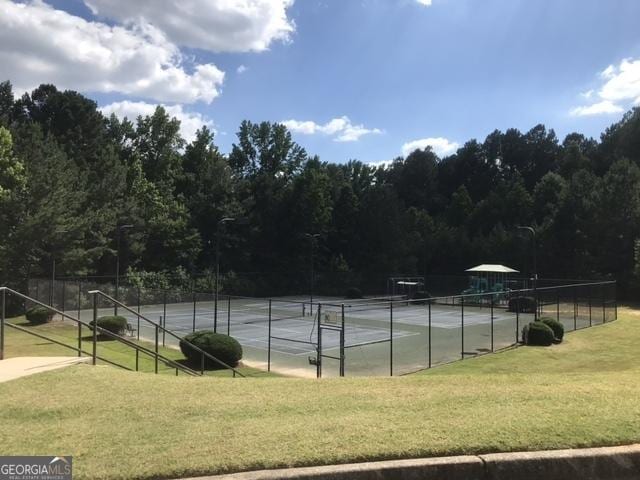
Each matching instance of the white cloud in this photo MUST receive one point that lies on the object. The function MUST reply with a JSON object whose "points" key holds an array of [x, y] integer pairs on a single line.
{"points": [[39, 44], [241, 69], [426, 3], [214, 25], [340, 128], [600, 108], [190, 122], [621, 88], [588, 94], [608, 72], [441, 146]]}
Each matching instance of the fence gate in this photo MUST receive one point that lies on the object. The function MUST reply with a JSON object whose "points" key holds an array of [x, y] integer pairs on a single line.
{"points": [[330, 336]]}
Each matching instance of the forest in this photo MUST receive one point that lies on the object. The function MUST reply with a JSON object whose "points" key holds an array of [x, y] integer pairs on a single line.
{"points": [[74, 184]]}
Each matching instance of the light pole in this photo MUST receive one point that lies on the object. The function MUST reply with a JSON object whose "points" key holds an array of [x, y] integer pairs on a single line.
{"points": [[119, 231], [535, 266], [221, 223], [312, 240]]}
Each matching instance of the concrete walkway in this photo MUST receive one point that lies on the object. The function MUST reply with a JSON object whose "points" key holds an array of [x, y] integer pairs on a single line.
{"points": [[22, 366], [610, 463]]}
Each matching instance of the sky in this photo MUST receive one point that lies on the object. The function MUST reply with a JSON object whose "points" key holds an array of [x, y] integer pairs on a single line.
{"points": [[352, 79]]}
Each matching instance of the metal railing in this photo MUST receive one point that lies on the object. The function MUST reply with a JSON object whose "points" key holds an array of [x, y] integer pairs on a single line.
{"points": [[159, 328], [158, 357]]}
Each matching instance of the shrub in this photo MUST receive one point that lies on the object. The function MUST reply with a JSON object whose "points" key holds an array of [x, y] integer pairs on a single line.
{"points": [[112, 323], [38, 315], [522, 304], [556, 326], [537, 333], [353, 293], [223, 347]]}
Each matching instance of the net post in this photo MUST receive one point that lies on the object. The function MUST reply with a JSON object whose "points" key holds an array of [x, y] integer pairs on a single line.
{"points": [[95, 327], [342, 341], [229, 315], [319, 343], [269, 341], [429, 333], [391, 339], [462, 327]]}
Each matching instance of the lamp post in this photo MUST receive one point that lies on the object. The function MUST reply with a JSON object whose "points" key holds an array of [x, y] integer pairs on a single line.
{"points": [[119, 231], [535, 266], [312, 238], [221, 223]]}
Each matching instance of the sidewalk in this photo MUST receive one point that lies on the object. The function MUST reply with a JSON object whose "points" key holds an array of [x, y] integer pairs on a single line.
{"points": [[17, 367]]}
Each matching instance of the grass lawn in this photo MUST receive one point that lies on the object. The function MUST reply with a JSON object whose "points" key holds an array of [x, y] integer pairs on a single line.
{"points": [[20, 344], [120, 424]]}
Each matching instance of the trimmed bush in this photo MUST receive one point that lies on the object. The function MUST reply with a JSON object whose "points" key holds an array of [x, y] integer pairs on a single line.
{"points": [[522, 304], [223, 347], [353, 293], [537, 333], [38, 315], [556, 326], [112, 323]]}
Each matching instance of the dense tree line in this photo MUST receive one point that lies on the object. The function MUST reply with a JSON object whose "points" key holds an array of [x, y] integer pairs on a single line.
{"points": [[69, 177]]}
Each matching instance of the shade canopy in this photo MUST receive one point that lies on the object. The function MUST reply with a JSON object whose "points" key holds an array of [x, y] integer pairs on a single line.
{"points": [[490, 268]]}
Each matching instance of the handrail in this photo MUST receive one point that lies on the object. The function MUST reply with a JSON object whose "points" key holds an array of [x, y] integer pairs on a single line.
{"points": [[157, 325], [49, 339], [159, 356]]}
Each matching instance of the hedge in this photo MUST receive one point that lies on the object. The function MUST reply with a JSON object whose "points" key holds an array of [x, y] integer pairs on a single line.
{"points": [[556, 326], [38, 315], [223, 347], [537, 333], [112, 323]]}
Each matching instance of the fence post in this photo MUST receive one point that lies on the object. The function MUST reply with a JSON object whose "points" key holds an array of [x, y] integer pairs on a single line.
{"points": [[558, 305], [319, 347], [391, 339], [2, 315], [269, 341], [137, 359], [79, 298], [615, 300], [604, 306], [95, 326], [518, 320], [429, 333], [202, 363], [138, 330], [575, 309], [342, 342], [193, 326], [492, 344], [64, 285], [228, 315], [164, 329], [590, 316], [462, 325], [164, 316], [157, 336]]}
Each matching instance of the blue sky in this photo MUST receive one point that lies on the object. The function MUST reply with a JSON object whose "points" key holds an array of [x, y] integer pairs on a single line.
{"points": [[399, 70]]}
